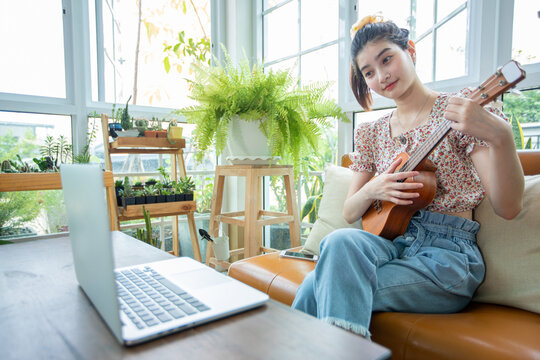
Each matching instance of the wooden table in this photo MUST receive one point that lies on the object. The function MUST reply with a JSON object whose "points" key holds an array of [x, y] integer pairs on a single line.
{"points": [[44, 314]]}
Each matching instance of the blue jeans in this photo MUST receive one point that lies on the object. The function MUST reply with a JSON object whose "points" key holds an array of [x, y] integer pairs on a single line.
{"points": [[435, 267]]}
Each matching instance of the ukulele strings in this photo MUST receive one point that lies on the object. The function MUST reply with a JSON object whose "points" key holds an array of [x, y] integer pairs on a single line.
{"points": [[444, 126]]}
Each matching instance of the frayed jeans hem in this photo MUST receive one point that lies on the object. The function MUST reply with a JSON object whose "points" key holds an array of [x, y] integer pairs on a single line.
{"points": [[346, 325]]}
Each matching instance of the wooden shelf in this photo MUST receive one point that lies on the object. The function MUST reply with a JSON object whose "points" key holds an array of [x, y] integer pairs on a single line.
{"points": [[37, 181], [145, 145], [132, 212], [151, 145]]}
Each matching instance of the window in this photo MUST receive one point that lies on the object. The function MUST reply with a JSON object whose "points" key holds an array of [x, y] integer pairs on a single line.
{"points": [[23, 138], [32, 61], [147, 51], [302, 37], [64, 62], [525, 46]]}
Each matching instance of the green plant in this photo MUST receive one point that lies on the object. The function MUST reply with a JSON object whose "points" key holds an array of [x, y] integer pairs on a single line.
{"points": [[84, 156], [59, 149], [292, 118], [166, 179], [118, 183], [518, 134], [17, 208], [314, 195], [186, 185], [125, 120], [128, 190], [151, 190], [146, 233], [138, 193]]}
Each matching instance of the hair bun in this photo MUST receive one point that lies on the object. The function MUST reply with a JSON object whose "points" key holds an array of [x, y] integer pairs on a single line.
{"points": [[370, 19]]}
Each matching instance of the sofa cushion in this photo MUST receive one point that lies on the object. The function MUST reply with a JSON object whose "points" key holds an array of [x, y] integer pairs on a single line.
{"points": [[511, 251], [336, 185]]}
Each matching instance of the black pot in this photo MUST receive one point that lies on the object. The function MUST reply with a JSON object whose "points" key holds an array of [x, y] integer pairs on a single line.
{"points": [[161, 198], [170, 198], [188, 197], [151, 199], [128, 201], [140, 200], [118, 200], [179, 197], [150, 183]]}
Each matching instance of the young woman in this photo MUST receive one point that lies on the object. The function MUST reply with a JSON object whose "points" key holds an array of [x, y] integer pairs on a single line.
{"points": [[436, 266]]}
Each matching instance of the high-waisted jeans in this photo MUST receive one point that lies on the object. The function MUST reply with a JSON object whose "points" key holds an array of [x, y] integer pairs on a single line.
{"points": [[435, 267]]}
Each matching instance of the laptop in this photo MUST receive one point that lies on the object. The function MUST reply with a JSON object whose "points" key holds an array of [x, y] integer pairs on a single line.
{"points": [[147, 301]]}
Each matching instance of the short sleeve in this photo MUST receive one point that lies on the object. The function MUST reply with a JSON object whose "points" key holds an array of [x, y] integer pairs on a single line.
{"points": [[362, 156]]}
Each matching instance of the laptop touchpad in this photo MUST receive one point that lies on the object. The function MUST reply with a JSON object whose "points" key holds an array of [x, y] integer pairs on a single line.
{"points": [[199, 278]]}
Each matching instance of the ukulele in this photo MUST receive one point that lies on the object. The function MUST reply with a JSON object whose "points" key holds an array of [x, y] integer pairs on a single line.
{"points": [[390, 220]]}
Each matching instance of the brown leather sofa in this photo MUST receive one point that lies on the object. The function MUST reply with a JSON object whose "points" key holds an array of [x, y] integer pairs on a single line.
{"points": [[481, 331]]}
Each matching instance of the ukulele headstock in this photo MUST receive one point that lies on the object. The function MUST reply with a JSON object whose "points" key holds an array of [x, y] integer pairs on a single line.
{"points": [[506, 77]]}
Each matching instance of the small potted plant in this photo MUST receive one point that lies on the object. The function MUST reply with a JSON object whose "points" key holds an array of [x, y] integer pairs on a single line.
{"points": [[178, 191], [127, 123], [150, 181], [138, 185], [140, 196], [174, 132], [127, 196], [188, 186], [160, 197], [141, 125], [169, 194], [150, 192]]}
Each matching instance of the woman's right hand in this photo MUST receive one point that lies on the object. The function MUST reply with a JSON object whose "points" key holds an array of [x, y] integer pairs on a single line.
{"points": [[388, 187]]}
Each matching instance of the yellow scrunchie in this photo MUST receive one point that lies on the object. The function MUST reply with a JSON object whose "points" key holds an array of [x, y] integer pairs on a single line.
{"points": [[370, 19]]}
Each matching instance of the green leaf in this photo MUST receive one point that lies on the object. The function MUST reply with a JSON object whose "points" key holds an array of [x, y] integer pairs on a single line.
{"points": [[166, 64]]}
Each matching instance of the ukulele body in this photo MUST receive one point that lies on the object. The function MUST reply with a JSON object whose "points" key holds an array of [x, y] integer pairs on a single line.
{"points": [[386, 219]]}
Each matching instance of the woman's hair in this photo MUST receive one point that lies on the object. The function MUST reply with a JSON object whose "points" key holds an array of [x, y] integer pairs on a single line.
{"points": [[372, 32]]}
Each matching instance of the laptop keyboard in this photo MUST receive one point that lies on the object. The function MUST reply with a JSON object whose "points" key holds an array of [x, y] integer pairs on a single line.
{"points": [[149, 299]]}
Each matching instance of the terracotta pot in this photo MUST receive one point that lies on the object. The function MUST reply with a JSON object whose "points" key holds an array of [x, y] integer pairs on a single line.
{"points": [[150, 133], [161, 134]]}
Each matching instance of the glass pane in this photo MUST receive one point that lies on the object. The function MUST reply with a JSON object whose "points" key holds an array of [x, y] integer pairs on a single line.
{"points": [[319, 21], [423, 17], [171, 38], [291, 65], [321, 65], [281, 32], [395, 10], [424, 58], [23, 137], [445, 7], [525, 44], [451, 45], [31, 34], [267, 4]]}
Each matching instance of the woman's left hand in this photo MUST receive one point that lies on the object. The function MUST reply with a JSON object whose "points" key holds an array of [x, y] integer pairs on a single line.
{"points": [[472, 119]]}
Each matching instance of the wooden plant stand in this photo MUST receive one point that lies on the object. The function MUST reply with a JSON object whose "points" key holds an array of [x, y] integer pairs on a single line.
{"points": [[145, 145]]}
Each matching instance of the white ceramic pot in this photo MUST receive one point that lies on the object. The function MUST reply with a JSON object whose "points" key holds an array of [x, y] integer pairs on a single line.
{"points": [[246, 139]]}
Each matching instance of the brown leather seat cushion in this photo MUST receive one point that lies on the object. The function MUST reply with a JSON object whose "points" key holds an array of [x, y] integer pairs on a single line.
{"points": [[481, 331]]}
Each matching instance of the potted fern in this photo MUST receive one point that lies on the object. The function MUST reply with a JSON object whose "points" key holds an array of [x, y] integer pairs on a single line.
{"points": [[289, 120]]}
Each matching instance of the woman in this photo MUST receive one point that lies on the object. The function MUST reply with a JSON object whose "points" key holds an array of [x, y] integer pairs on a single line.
{"points": [[435, 267]]}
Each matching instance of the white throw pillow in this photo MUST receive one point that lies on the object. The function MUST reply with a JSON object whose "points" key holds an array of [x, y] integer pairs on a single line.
{"points": [[511, 250], [336, 185]]}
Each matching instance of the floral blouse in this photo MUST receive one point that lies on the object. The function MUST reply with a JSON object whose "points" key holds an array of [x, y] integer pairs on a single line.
{"points": [[458, 185]]}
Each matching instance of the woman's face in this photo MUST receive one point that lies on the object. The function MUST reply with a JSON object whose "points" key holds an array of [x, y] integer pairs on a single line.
{"points": [[387, 68]]}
